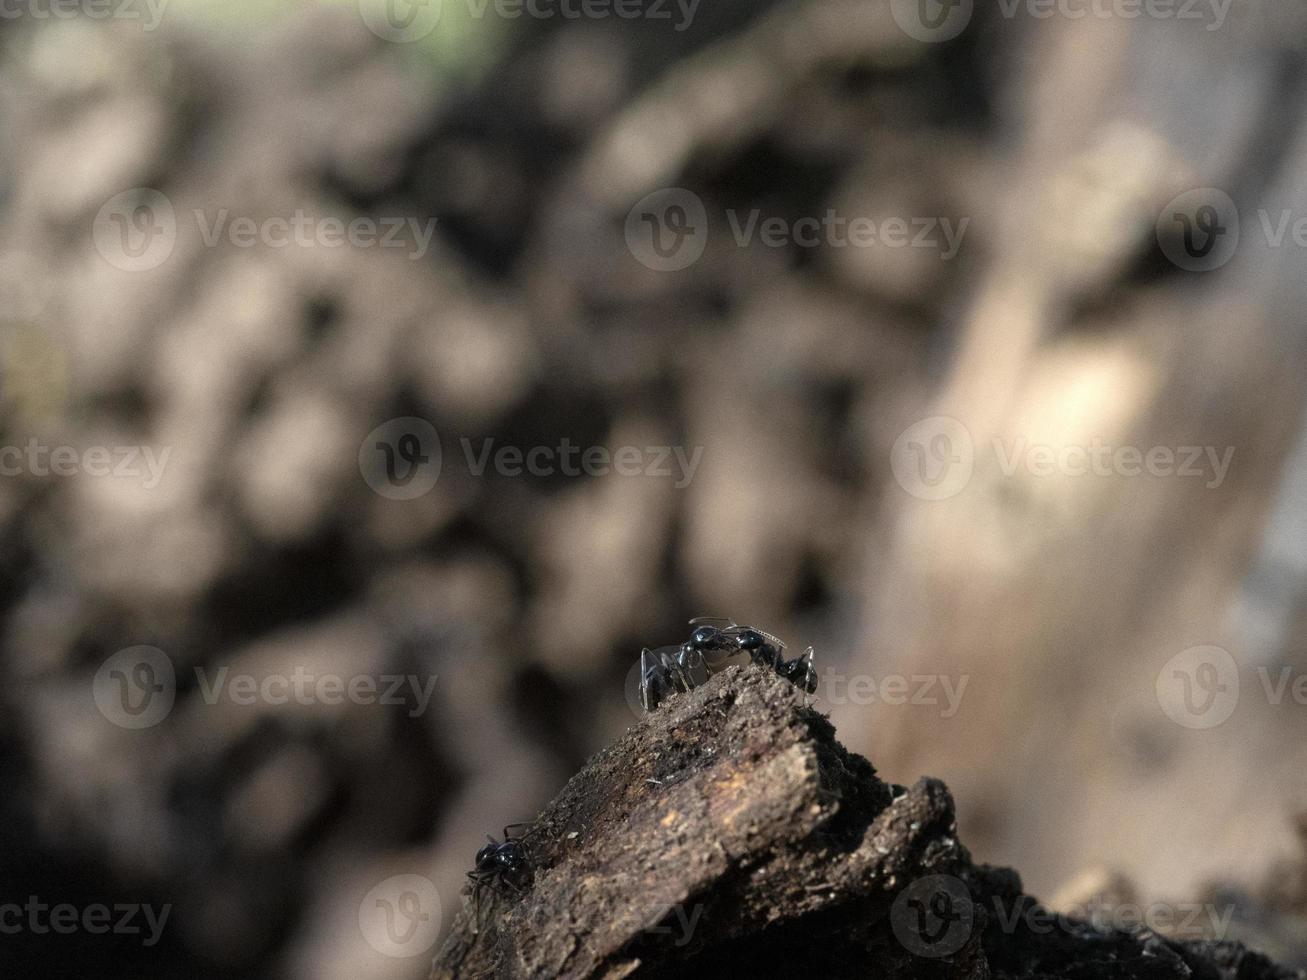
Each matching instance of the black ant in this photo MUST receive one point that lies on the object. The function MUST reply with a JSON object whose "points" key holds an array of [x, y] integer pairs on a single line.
{"points": [[499, 865], [672, 669]]}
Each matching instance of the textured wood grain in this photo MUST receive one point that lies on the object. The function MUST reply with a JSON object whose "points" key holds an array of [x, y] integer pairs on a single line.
{"points": [[730, 834]]}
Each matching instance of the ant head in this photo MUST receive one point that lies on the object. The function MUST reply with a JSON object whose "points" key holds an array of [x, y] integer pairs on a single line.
{"points": [[486, 856], [750, 640], [705, 637]]}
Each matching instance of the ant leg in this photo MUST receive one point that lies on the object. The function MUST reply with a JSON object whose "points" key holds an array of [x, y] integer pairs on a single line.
{"points": [[655, 680], [804, 675], [476, 902], [517, 888], [810, 677], [678, 665], [646, 670], [695, 666], [648, 699]]}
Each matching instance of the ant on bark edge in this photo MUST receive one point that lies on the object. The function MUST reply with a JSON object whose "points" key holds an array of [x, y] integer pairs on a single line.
{"points": [[672, 669], [500, 865]]}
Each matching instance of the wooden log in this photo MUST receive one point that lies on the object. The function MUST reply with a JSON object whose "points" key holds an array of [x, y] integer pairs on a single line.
{"points": [[730, 834]]}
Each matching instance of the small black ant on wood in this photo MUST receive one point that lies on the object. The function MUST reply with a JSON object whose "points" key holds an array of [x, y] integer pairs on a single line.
{"points": [[669, 670], [500, 865]]}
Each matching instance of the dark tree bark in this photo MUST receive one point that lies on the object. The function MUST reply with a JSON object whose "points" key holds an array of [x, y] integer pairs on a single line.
{"points": [[732, 835]]}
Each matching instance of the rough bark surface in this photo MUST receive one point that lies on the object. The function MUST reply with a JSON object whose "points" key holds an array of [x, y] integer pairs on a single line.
{"points": [[730, 834]]}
